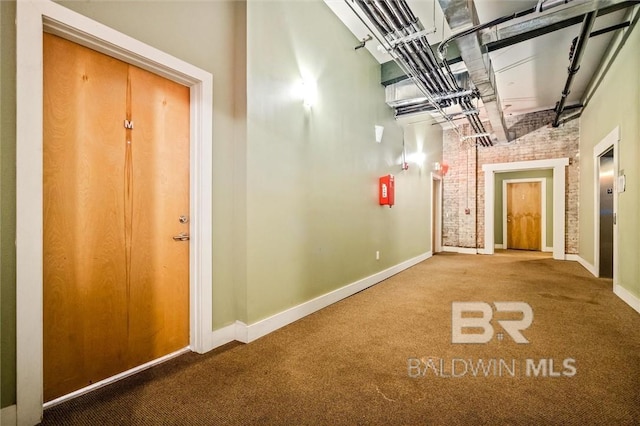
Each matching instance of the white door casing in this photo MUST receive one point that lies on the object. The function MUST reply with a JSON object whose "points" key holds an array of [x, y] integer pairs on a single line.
{"points": [[558, 165]]}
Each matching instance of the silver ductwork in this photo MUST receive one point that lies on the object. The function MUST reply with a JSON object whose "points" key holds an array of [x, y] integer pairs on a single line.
{"points": [[406, 92]]}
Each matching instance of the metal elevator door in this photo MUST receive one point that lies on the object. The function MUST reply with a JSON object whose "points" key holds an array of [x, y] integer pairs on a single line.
{"points": [[606, 214]]}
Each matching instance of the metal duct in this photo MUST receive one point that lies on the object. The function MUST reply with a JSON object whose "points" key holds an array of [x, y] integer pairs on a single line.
{"points": [[406, 92], [460, 13], [403, 93]]}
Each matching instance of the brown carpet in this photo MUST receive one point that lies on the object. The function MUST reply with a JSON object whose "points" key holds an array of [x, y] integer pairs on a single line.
{"points": [[348, 364]]}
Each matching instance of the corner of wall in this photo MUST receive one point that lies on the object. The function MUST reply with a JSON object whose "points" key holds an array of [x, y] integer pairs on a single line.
{"points": [[240, 163], [7, 201]]}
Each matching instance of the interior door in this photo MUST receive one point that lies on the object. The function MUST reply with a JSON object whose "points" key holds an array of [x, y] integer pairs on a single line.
{"points": [[524, 219], [116, 192], [606, 179]]}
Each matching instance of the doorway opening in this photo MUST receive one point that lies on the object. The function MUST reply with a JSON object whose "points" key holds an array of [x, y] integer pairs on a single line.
{"points": [[33, 19], [605, 191], [606, 213]]}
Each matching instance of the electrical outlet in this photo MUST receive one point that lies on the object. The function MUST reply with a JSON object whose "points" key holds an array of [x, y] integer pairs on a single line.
{"points": [[377, 255]]}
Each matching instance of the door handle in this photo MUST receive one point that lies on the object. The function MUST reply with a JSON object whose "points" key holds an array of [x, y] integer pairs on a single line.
{"points": [[183, 236]]}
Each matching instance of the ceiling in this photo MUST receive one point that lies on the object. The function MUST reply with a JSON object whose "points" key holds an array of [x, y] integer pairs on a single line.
{"points": [[530, 75]]}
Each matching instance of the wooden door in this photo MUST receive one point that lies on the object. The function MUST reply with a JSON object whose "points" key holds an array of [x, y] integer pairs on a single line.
{"points": [[116, 284], [524, 219]]}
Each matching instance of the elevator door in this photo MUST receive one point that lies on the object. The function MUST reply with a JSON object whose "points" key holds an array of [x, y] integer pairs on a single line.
{"points": [[606, 214], [116, 185]]}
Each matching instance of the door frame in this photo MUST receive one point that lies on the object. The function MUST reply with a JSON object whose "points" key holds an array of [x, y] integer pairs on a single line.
{"points": [[608, 142], [34, 17], [558, 165], [436, 220], [543, 211]]}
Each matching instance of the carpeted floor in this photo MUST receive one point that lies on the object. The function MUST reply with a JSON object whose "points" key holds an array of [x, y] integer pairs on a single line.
{"points": [[350, 363]]}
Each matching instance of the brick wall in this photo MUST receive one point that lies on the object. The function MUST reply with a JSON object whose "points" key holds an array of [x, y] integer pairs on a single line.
{"points": [[463, 186]]}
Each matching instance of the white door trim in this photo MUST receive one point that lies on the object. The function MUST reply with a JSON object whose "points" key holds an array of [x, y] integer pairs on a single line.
{"points": [[558, 165], [608, 142], [436, 221], [34, 17], [543, 205]]}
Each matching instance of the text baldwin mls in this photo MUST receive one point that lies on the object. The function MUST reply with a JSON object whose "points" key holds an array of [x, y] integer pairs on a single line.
{"points": [[492, 367]]}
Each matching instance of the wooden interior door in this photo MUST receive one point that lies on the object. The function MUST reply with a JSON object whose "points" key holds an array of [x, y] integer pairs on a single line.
{"points": [[116, 284], [524, 216]]}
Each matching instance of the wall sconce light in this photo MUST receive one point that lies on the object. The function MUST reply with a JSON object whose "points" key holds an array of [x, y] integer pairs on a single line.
{"points": [[417, 158], [307, 91], [379, 131]]}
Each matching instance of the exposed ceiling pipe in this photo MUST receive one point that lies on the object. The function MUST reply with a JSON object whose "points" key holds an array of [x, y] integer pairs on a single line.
{"points": [[462, 14], [442, 48], [382, 31], [615, 27], [405, 39], [539, 24], [542, 6], [405, 23], [548, 4], [581, 45]]}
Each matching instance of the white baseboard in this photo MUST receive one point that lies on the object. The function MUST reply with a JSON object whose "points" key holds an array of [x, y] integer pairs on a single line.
{"points": [[466, 250], [220, 337], [115, 378], [586, 265], [624, 294], [498, 246], [247, 333], [629, 298], [462, 250], [8, 416], [261, 328]]}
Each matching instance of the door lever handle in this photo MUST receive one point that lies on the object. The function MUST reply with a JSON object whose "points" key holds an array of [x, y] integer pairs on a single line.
{"points": [[183, 236]]}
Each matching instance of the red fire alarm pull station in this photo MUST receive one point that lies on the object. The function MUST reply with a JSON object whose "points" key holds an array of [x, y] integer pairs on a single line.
{"points": [[387, 190]]}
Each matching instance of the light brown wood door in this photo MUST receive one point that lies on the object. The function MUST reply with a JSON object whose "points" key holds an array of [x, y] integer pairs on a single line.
{"points": [[524, 219], [116, 284]]}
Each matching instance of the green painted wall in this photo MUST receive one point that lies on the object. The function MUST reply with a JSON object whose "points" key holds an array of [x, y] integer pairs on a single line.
{"points": [[500, 177], [295, 191], [313, 222], [616, 102]]}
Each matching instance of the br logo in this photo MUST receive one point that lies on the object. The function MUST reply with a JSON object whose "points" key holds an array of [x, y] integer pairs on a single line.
{"points": [[472, 323]]}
